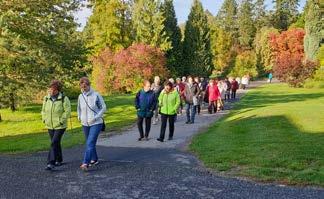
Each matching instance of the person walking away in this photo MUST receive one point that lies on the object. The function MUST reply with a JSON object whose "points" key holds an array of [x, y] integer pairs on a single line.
{"points": [[91, 108], [228, 89], [192, 92], [157, 88], [56, 110], [245, 82], [181, 88], [200, 96], [169, 101], [270, 76], [238, 80], [212, 95], [222, 87], [234, 88], [145, 103]]}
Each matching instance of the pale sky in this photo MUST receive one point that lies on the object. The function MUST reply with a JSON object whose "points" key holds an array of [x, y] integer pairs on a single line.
{"points": [[182, 8]]}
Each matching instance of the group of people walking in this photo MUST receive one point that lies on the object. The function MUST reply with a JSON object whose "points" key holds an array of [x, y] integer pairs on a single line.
{"points": [[152, 102], [170, 100]]}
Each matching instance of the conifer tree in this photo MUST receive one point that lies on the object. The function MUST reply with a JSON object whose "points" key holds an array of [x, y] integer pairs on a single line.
{"points": [[148, 21], [196, 45], [174, 55]]}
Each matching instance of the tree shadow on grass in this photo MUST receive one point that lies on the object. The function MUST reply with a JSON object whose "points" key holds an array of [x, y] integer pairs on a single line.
{"points": [[268, 148], [262, 99]]}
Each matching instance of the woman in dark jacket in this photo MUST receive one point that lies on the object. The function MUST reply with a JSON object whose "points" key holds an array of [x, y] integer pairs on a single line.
{"points": [[145, 103]]}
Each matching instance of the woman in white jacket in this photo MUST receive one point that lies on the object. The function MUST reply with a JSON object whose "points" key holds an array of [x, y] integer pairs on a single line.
{"points": [[222, 87], [91, 108]]}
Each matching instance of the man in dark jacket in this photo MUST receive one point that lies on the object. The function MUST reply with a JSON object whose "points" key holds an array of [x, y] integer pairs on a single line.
{"points": [[234, 87], [145, 103], [228, 90], [157, 88]]}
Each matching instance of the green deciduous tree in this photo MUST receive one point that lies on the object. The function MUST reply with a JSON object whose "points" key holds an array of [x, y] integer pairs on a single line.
{"points": [[197, 53], [38, 42], [245, 64], [148, 21], [264, 55], [174, 55], [109, 25]]}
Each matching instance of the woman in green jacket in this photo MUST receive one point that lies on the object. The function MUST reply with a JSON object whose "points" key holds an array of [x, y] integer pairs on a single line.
{"points": [[169, 102], [55, 113]]}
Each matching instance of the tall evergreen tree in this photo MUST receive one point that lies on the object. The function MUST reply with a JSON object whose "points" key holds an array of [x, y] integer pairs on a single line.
{"points": [[196, 45], [246, 25], [109, 25], [227, 16], [174, 55], [148, 21], [260, 14], [286, 12], [314, 27]]}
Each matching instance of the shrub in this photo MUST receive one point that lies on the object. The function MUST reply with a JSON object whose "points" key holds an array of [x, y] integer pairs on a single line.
{"points": [[245, 64], [289, 64], [125, 70]]}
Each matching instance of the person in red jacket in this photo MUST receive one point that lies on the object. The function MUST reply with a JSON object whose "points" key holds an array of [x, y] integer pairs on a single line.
{"points": [[212, 96], [234, 87]]}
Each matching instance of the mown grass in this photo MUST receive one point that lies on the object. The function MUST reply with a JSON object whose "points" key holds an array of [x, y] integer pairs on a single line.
{"points": [[275, 133], [23, 131]]}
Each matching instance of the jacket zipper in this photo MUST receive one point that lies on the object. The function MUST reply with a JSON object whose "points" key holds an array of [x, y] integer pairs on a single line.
{"points": [[52, 114], [167, 103], [87, 112]]}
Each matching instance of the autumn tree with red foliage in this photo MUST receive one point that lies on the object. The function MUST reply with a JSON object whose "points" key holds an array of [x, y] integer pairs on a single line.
{"points": [[290, 65], [125, 70]]}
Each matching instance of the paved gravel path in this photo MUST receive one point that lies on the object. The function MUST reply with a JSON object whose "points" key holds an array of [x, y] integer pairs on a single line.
{"points": [[131, 169]]}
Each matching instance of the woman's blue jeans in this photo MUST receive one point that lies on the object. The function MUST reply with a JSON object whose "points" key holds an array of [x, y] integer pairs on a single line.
{"points": [[91, 133]]}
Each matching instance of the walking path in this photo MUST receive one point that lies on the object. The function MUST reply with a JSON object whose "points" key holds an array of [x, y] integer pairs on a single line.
{"points": [[132, 169]]}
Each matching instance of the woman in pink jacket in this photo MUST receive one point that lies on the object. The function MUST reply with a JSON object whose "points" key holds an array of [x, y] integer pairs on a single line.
{"points": [[212, 95]]}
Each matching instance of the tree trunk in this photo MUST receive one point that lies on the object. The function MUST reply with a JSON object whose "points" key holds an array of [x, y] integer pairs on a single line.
{"points": [[12, 101]]}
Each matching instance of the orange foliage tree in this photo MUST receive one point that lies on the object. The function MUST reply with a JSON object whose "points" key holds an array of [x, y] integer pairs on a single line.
{"points": [[290, 65]]}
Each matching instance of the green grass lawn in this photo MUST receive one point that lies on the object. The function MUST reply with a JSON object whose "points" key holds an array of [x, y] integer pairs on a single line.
{"points": [[275, 133], [23, 131]]}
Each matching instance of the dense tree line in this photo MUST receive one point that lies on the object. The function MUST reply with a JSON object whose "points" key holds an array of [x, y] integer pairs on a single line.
{"points": [[39, 41]]}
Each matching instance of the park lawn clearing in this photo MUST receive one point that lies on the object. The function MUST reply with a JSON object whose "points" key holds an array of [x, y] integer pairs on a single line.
{"points": [[274, 134], [23, 131]]}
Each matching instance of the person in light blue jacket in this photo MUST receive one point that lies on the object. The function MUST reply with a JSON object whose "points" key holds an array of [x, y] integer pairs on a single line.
{"points": [[91, 108]]}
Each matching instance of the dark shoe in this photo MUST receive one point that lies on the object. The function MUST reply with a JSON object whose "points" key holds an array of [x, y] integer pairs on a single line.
{"points": [[170, 138], [49, 167], [57, 164], [191, 122], [146, 139], [140, 139], [187, 122], [160, 139], [94, 163]]}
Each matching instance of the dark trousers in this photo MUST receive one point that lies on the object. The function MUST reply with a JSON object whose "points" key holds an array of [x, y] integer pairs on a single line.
{"points": [[227, 95], [198, 109], [147, 126], [55, 152], [212, 106], [164, 119], [233, 96]]}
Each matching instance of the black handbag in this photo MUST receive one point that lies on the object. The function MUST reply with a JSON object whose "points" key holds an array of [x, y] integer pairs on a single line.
{"points": [[103, 128]]}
